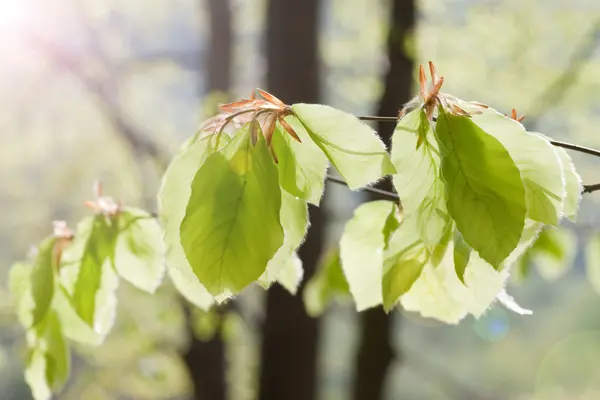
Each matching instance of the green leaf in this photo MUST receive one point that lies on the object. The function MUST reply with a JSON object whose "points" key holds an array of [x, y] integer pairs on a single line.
{"points": [[592, 258], [48, 363], [351, 146], [139, 249], [42, 280], [417, 178], [74, 327], [20, 289], [285, 267], [301, 166], [361, 251], [462, 253], [485, 194], [404, 259], [173, 199], [537, 161], [87, 273], [574, 187], [328, 282], [553, 252], [232, 226]]}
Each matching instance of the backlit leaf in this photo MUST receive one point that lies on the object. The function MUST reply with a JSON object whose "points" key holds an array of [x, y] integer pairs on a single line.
{"points": [[537, 161], [361, 251], [88, 275], [417, 178], [232, 226], [301, 166], [485, 194], [327, 283], [139, 249], [285, 267], [173, 199], [352, 147], [42, 280]]}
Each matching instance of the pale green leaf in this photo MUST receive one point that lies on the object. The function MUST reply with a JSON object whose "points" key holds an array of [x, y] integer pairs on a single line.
{"points": [[404, 259], [173, 198], [139, 249], [573, 184], [361, 251], [352, 147], [485, 194], [42, 280], [537, 160], [74, 327], [283, 267], [232, 226], [417, 178], [327, 283], [20, 289], [87, 273], [301, 166], [553, 252], [49, 359]]}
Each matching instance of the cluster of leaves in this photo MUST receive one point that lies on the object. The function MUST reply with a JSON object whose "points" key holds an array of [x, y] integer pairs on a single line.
{"points": [[476, 190], [67, 290]]}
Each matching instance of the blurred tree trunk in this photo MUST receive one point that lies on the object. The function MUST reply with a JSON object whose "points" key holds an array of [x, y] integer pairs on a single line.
{"points": [[375, 351], [290, 337], [206, 360]]}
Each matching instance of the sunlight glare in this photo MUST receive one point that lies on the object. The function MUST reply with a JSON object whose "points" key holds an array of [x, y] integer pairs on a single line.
{"points": [[14, 15]]}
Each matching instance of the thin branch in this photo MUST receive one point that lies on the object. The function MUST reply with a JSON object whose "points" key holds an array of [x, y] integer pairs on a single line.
{"points": [[384, 193], [378, 118], [576, 147], [591, 188]]}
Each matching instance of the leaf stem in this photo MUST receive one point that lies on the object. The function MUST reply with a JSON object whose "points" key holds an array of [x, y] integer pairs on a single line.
{"points": [[385, 193]]}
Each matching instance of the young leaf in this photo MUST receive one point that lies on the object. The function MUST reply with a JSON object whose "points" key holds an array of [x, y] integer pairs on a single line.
{"points": [[173, 197], [232, 226], [283, 267], [573, 185], [139, 249], [485, 194], [42, 280], [327, 283], [553, 252], [48, 362], [351, 146], [87, 273], [417, 180], [462, 254], [537, 161], [404, 259], [301, 166], [74, 327], [361, 251]]}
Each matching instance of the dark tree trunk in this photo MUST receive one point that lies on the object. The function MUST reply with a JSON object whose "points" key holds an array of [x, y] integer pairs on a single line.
{"points": [[290, 337], [219, 58], [375, 351], [206, 360]]}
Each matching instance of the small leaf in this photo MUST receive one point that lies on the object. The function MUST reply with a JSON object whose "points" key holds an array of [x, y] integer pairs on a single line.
{"points": [[485, 194], [87, 273], [139, 249], [328, 282], [462, 253], [361, 251], [301, 166], [537, 161], [173, 197], [404, 259], [554, 252], [232, 226], [351, 146], [285, 267], [417, 178], [48, 363], [42, 280]]}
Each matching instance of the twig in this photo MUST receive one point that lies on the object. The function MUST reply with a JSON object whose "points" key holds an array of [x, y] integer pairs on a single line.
{"points": [[385, 193], [377, 118]]}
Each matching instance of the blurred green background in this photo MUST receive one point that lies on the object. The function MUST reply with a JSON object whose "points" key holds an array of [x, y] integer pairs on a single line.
{"points": [[80, 78]]}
